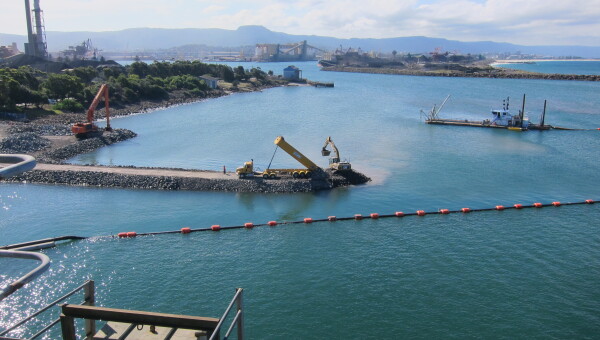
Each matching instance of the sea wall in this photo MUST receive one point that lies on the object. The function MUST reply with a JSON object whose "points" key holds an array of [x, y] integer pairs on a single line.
{"points": [[117, 180], [496, 73]]}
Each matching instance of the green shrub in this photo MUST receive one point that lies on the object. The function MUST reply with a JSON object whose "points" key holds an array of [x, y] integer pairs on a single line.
{"points": [[68, 105]]}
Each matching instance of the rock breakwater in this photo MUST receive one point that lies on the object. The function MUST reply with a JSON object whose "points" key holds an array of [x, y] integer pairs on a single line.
{"points": [[120, 180], [484, 73]]}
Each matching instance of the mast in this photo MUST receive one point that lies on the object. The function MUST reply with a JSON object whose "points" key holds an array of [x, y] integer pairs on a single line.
{"points": [[543, 115], [522, 114]]}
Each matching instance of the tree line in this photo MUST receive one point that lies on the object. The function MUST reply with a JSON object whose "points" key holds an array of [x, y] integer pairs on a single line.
{"points": [[70, 89]]}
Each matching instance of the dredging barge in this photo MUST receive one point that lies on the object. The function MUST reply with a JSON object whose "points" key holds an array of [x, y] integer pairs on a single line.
{"points": [[502, 119]]}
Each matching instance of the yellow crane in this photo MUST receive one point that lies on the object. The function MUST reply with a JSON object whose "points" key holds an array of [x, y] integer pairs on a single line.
{"points": [[247, 170], [334, 162]]}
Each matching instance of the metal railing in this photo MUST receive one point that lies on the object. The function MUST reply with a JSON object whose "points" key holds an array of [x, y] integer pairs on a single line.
{"points": [[89, 300], [238, 319]]}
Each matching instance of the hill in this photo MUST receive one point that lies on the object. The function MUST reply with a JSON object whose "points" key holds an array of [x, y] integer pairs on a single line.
{"points": [[160, 38]]}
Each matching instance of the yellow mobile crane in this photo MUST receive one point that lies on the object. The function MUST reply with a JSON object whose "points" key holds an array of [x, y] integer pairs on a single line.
{"points": [[248, 169], [334, 162]]}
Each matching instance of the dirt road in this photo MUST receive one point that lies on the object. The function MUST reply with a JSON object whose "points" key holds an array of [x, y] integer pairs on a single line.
{"points": [[135, 171]]}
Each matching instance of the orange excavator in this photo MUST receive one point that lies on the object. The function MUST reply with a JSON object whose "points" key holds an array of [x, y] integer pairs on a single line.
{"points": [[88, 129]]}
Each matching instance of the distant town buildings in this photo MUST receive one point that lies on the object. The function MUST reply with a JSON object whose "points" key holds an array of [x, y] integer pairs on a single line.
{"points": [[9, 51]]}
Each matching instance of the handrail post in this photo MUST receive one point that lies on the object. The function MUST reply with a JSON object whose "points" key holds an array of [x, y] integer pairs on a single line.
{"points": [[89, 300], [240, 325], [67, 324]]}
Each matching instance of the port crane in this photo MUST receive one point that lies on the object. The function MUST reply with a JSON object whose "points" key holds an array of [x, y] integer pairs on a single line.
{"points": [[334, 162], [88, 129], [247, 170]]}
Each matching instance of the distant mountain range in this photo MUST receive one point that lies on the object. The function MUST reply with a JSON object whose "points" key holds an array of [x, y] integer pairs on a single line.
{"points": [[160, 38]]}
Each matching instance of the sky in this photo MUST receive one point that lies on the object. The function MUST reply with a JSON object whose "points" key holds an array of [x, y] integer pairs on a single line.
{"points": [[525, 22]]}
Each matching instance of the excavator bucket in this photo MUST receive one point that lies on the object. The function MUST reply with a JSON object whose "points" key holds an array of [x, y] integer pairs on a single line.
{"points": [[325, 152]]}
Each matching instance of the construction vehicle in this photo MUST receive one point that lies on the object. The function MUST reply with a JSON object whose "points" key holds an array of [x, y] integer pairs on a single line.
{"points": [[334, 162], [248, 169], [89, 129]]}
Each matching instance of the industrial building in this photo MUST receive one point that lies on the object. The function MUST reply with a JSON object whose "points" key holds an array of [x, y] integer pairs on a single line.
{"points": [[36, 39], [286, 52]]}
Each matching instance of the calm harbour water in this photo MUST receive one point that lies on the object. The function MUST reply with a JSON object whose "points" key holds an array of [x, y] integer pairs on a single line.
{"points": [[530, 273]]}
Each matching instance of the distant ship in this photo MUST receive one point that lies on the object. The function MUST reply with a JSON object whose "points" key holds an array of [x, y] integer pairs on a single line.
{"points": [[501, 118]]}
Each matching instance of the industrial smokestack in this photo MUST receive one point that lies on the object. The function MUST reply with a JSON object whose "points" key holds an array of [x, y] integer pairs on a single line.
{"points": [[30, 44]]}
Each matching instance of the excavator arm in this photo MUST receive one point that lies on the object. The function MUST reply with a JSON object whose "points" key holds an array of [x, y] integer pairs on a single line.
{"points": [[102, 93], [326, 152]]}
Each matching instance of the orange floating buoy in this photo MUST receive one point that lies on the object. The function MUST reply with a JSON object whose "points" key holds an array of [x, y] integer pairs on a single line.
{"points": [[421, 212], [518, 206], [374, 216], [444, 211], [556, 204], [332, 218], [131, 234], [215, 227], [466, 210], [358, 217], [249, 225], [186, 230], [589, 201], [122, 234], [499, 207], [537, 205], [272, 223], [399, 214], [308, 220]]}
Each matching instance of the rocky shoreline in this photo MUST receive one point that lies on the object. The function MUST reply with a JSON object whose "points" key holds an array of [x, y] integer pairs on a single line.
{"points": [[50, 141], [483, 73]]}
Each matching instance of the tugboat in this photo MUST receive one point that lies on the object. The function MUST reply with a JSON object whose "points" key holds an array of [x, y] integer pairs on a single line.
{"points": [[502, 119]]}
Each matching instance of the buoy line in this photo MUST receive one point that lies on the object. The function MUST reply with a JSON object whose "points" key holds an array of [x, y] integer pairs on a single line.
{"points": [[397, 214]]}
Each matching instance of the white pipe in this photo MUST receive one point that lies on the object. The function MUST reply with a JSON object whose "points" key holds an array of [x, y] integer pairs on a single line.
{"points": [[4, 292], [21, 164]]}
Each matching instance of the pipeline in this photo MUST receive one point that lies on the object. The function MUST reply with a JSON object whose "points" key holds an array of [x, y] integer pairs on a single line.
{"points": [[397, 214], [19, 163], [45, 263], [28, 245]]}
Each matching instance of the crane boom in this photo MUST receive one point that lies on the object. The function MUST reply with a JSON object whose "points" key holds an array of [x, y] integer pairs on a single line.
{"points": [[285, 146], [102, 92]]}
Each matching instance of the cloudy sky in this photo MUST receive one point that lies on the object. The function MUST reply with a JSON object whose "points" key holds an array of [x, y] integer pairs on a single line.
{"points": [[527, 22]]}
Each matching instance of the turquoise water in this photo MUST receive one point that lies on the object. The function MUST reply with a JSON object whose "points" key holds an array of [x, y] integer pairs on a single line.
{"points": [[561, 67], [530, 273]]}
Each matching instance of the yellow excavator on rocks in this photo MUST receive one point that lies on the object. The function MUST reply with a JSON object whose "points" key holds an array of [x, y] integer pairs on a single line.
{"points": [[334, 161]]}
